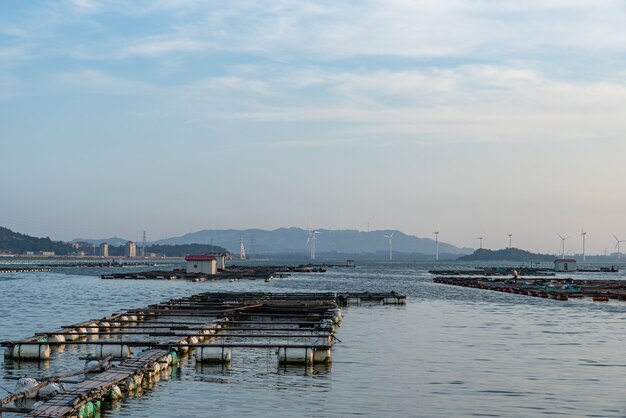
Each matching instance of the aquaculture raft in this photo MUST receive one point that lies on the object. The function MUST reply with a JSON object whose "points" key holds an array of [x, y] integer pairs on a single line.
{"points": [[559, 289], [230, 273], [209, 326], [68, 403]]}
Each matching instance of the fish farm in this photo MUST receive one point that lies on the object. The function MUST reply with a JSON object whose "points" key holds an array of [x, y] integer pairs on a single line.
{"points": [[227, 273], [131, 349], [558, 289]]}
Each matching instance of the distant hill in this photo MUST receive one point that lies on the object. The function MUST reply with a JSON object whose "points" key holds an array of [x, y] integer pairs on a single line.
{"points": [[507, 254], [170, 250], [294, 241], [114, 241], [18, 243], [184, 249]]}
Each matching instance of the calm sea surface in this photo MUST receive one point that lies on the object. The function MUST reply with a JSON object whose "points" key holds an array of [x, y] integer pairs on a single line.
{"points": [[451, 352]]}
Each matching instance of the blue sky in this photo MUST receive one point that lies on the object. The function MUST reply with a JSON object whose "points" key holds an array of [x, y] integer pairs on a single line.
{"points": [[480, 117]]}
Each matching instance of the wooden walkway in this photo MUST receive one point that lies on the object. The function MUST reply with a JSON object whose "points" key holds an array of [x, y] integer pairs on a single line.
{"points": [[67, 404]]}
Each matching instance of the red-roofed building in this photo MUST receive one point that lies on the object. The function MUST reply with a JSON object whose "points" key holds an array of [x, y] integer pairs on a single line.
{"points": [[206, 264]]}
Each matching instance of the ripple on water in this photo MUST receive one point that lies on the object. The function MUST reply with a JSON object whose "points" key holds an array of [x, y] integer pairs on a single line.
{"points": [[449, 352]]}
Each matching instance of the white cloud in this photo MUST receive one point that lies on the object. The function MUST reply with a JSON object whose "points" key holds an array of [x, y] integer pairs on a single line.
{"points": [[466, 104], [97, 81], [88, 6], [162, 45]]}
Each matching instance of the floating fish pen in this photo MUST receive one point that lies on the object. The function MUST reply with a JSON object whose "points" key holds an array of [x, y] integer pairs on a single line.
{"points": [[139, 345], [102, 264], [23, 270], [181, 274], [558, 289], [357, 298], [495, 271]]}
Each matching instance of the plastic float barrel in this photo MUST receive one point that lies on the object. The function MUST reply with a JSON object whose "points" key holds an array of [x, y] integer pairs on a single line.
{"points": [[113, 350], [72, 335], [183, 348], [24, 384], [352, 300], [104, 326], [294, 355], [114, 393], [57, 338], [51, 390], [322, 355], [81, 332], [87, 410], [193, 340], [92, 328], [213, 354], [31, 351]]}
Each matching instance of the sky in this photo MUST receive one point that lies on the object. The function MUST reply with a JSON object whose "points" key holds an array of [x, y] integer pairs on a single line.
{"points": [[473, 117]]}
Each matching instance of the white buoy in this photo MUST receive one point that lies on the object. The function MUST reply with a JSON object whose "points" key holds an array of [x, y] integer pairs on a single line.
{"points": [[92, 328], [71, 335], [51, 390], [25, 384], [113, 350], [31, 351], [322, 356], [57, 338], [294, 355], [213, 354]]}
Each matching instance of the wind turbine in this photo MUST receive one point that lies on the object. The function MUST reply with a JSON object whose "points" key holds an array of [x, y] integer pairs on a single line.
{"points": [[562, 245], [480, 239], [619, 253], [584, 235], [510, 240], [390, 238], [436, 233], [311, 241]]}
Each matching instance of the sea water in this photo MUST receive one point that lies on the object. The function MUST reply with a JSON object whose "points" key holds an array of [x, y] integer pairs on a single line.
{"points": [[450, 352]]}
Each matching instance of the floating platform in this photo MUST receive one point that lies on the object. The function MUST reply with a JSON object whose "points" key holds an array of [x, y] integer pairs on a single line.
{"points": [[211, 327], [23, 270], [559, 289], [97, 388], [230, 273], [495, 271]]}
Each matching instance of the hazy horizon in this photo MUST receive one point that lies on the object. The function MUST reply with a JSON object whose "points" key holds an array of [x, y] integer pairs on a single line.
{"points": [[477, 118]]}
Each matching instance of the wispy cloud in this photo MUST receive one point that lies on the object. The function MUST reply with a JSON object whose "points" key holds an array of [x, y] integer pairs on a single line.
{"points": [[162, 45], [96, 81]]}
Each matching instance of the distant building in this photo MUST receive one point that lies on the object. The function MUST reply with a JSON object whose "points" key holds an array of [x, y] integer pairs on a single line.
{"points": [[104, 250], [564, 264], [130, 249], [221, 258], [206, 264], [47, 253], [83, 247]]}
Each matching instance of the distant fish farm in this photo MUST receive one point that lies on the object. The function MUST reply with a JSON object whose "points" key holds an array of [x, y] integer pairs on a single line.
{"points": [[132, 349], [494, 271], [558, 289], [226, 273]]}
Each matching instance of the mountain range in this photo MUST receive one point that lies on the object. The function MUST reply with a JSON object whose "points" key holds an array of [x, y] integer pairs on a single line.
{"points": [[294, 240]]}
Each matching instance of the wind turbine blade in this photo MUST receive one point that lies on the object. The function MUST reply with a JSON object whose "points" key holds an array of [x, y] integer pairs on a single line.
{"points": [[391, 236], [615, 236]]}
